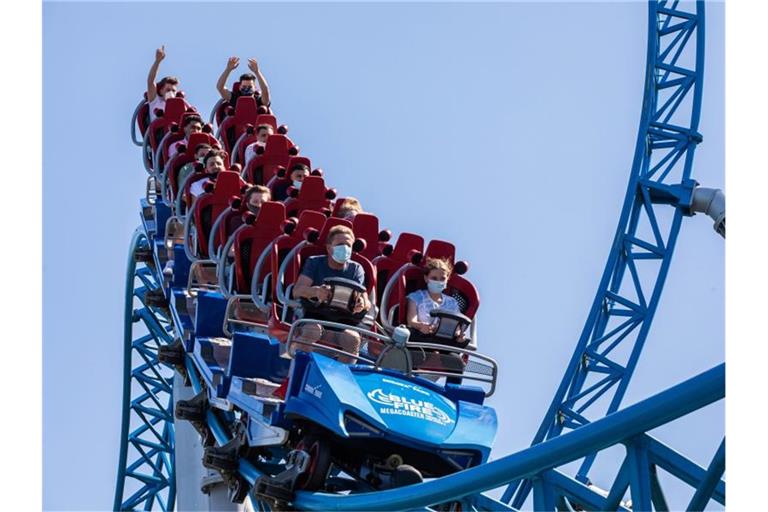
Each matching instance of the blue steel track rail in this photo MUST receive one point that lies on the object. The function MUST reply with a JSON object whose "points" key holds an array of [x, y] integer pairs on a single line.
{"points": [[145, 475], [658, 196]]}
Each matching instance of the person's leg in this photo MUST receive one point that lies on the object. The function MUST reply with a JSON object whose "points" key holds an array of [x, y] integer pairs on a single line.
{"points": [[307, 335], [348, 341]]}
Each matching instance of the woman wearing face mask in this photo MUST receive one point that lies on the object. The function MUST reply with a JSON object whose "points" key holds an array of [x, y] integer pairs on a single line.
{"points": [[166, 88], [247, 84], [421, 302], [309, 285]]}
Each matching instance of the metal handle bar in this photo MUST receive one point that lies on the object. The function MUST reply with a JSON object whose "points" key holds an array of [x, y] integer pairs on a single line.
{"points": [[221, 264], [385, 320], [137, 141], [212, 117], [187, 224], [212, 234], [260, 298], [144, 154], [280, 290]]}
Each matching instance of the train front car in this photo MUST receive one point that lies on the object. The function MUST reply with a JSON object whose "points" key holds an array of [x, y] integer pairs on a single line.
{"points": [[389, 415]]}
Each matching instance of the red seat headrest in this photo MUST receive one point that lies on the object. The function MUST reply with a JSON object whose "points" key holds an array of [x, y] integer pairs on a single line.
{"points": [[246, 109], [440, 249], [267, 119]]}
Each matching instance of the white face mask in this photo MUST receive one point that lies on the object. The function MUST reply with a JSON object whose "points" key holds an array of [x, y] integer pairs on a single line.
{"points": [[170, 94]]}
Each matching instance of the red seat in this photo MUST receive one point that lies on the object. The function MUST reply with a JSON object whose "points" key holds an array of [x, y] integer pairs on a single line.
{"points": [[279, 183], [277, 153], [182, 158], [226, 224], [249, 137], [251, 241], [313, 195], [412, 278], [395, 257], [313, 245], [209, 206], [232, 127], [366, 227], [174, 110], [294, 235]]}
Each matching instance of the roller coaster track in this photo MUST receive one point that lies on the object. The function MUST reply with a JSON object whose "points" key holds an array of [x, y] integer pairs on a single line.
{"points": [[585, 416]]}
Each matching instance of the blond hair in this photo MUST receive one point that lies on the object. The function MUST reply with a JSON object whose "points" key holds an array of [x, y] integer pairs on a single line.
{"points": [[338, 230], [351, 203], [438, 264]]}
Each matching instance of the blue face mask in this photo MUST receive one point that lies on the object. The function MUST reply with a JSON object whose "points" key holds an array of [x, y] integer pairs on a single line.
{"points": [[436, 287], [297, 184], [341, 253]]}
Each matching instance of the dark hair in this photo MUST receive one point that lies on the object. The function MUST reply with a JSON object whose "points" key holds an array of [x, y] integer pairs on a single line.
{"points": [[247, 76], [300, 167], [203, 146], [191, 119], [167, 80], [212, 153], [263, 127]]}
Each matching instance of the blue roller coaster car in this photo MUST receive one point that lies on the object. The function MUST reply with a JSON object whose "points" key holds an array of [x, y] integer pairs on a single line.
{"points": [[389, 415]]}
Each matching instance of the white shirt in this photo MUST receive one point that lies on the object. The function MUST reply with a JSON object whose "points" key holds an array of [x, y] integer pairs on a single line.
{"points": [[175, 148], [250, 150], [158, 102], [197, 188], [425, 304]]}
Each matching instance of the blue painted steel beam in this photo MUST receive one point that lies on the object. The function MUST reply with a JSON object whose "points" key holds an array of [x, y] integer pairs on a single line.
{"points": [[710, 481]]}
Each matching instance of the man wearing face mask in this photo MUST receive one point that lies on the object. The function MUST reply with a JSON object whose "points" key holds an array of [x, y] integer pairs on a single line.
{"points": [[158, 93], [309, 285], [295, 179], [247, 84]]}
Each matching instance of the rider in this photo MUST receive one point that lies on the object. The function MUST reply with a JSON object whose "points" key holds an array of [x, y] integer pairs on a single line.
{"points": [[437, 271], [200, 151], [213, 163], [192, 124], [164, 89], [296, 178], [310, 285], [350, 206], [247, 83], [263, 131]]}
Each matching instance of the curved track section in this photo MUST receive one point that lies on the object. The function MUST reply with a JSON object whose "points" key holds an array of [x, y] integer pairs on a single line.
{"points": [[659, 195], [145, 478]]}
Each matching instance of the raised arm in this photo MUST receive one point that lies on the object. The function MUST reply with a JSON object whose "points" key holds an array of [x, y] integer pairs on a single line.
{"points": [[221, 85], [263, 85], [152, 78]]}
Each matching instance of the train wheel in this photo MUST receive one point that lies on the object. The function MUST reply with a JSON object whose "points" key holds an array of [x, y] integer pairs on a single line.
{"points": [[314, 477]]}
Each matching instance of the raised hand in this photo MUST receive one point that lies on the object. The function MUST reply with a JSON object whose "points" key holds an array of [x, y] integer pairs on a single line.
{"points": [[160, 54], [253, 65], [233, 62]]}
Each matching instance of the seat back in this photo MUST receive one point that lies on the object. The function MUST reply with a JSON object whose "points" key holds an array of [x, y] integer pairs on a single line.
{"points": [[251, 241], [232, 127], [314, 246], [366, 227], [313, 195], [251, 135], [182, 158], [174, 110], [277, 152], [406, 246], [209, 206]]}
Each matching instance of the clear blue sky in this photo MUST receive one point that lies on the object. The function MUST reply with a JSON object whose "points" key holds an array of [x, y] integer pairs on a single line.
{"points": [[506, 128]]}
